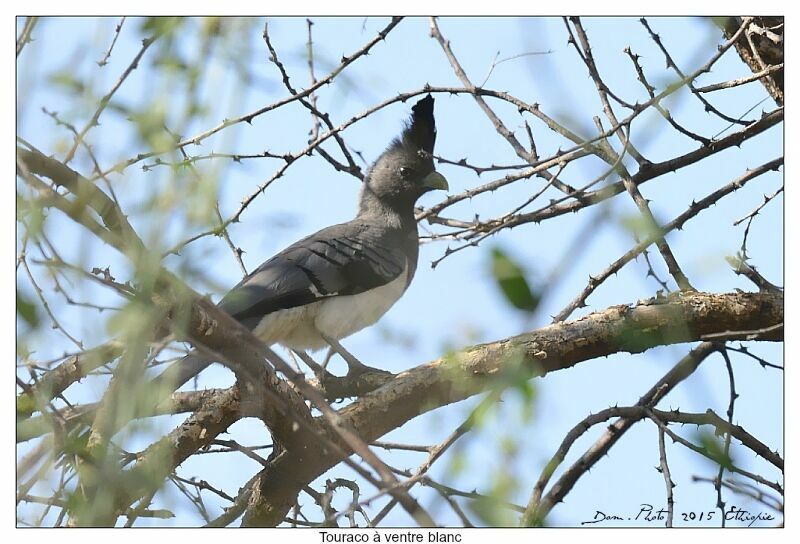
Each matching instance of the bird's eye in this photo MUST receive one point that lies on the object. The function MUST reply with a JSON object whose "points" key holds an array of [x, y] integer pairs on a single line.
{"points": [[405, 172]]}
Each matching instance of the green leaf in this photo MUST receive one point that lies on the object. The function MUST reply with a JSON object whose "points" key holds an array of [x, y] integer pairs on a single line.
{"points": [[27, 310], [510, 277], [492, 508], [68, 81], [715, 449], [161, 25], [639, 226]]}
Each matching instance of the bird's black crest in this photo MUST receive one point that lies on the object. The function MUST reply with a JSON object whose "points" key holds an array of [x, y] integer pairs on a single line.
{"points": [[420, 132]]}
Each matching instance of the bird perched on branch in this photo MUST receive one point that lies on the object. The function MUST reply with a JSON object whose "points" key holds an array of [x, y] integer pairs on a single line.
{"points": [[343, 278]]}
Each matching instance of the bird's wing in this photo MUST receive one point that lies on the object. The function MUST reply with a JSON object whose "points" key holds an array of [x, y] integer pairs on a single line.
{"points": [[344, 259]]}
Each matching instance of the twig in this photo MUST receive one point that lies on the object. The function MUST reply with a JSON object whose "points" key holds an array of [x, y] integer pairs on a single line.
{"points": [[351, 167], [478, 169], [763, 362], [671, 64], [495, 226], [642, 203], [231, 513], [405, 447], [594, 281], [539, 504], [202, 484], [668, 483], [102, 62], [357, 444], [651, 271], [750, 334], [236, 250], [46, 306], [248, 118], [195, 498], [702, 451], [742, 80], [498, 124], [104, 101], [312, 80], [649, 173], [750, 217], [496, 63], [742, 268], [437, 451], [25, 36], [743, 488], [235, 157], [662, 110], [727, 447], [248, 451]]}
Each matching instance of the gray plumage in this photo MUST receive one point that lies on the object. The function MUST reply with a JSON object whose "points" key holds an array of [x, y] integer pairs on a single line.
{"points": [[344, 277], [305, 289]]}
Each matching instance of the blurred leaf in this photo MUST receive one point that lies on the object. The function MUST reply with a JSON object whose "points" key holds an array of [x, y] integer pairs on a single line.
{"points": [[68, 81], [212, 26], [25, 406], [150, 123], [527, 389], [135, 321], [510, 277], [457, 465], [638, 225], [33, 215], [492, 509], [200, 198], [720, 22], [27, 310], [482, 414], [509, 446], [171, 62], [715, 448], [161, 25]]}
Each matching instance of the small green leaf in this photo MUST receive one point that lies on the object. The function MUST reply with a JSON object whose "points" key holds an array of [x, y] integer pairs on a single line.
{"points": [[639, 226], [68, 81], [715, 449], [27, 310], [510, 277], [161, 25]]}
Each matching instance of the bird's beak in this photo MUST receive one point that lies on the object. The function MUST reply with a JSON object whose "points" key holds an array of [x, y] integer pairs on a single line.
{"points": [[435, 180]]}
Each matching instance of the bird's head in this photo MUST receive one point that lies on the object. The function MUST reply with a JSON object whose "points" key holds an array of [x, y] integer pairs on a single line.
{"points": [[405, 171]]}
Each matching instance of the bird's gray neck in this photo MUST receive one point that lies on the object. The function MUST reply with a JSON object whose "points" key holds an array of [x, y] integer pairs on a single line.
{"points": [[399, 215]]}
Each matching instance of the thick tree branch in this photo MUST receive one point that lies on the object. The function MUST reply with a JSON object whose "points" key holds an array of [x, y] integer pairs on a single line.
{"points": [[682, 317], [761, 49]]}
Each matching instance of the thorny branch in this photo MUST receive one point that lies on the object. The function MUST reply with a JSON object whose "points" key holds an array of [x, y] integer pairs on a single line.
{"points": [[270, 495]]}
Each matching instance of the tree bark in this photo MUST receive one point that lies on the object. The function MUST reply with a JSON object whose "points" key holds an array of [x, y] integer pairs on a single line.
{"points": [[763, 49], [683, 317]]}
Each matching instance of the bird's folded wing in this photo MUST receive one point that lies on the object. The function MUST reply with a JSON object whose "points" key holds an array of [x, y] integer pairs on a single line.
{"points": [[344, 259]]}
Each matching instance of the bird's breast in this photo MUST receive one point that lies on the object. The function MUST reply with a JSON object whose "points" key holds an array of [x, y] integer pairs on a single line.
{"points": [[339, 317], [336, 317]]}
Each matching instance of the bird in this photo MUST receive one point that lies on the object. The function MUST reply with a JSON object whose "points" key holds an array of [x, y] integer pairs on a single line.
{"points": [[343, 278]]}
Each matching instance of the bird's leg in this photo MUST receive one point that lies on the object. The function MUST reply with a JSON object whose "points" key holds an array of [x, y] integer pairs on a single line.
{"points": [[319, 371], [294, 360], [354, 366], [328, 357]]}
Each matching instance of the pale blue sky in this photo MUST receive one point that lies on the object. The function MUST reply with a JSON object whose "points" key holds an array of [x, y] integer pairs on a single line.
{"points": [[456, 304]]}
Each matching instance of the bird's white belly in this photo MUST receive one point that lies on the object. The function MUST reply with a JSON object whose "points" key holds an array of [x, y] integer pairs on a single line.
{"points": [[336, 317], [339, 317]]}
